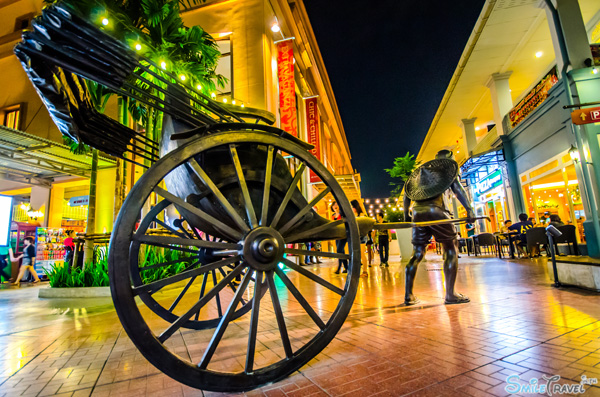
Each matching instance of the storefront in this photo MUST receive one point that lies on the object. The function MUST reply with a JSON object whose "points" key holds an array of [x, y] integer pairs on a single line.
{"points": [[489, 199], [552, 188]]}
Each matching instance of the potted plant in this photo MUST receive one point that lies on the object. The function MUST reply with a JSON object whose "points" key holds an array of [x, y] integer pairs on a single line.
{"points": [[403, 167]]}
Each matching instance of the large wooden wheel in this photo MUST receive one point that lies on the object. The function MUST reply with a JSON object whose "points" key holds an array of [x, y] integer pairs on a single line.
{"points": [[238, 313]]}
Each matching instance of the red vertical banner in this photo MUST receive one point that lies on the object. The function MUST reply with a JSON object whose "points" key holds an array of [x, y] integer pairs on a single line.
{"points": [[287, 89], [313, 132]]}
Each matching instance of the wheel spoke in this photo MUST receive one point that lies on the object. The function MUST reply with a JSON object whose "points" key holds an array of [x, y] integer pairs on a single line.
{"points": [[169, 228], [320, 254], [198, 305], [267, 189], [187, 286], [312, 232], [243, 186], [285, 339], [167, 242], [303, 302], [254, 322], [218, 297], [202, 289], [187, 234], [183, 275], [288, 196], [313, 276], [234, 234], [232, 285], [220, 197], [214, 342], [304, 210]]}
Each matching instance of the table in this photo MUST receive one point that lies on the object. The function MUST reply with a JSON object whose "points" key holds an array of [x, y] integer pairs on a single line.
{"points": [[512, 237]]}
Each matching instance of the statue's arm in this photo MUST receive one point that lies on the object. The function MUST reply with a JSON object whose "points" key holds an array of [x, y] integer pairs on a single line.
{"points": [[461, 195], [406, 208]]}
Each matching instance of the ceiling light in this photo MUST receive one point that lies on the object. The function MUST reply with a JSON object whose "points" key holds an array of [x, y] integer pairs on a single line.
{"points": [[539, 54]]}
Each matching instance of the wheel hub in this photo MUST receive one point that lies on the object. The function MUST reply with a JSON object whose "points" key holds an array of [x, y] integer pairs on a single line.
{"points": [[263, 248]]}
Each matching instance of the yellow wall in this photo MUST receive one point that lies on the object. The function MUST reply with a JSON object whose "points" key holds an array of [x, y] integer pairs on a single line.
{"points": [[105, 200], [57, 196]]}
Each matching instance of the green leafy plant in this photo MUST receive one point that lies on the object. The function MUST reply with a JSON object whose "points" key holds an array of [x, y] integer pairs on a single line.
{"points": [[403, 167], [95, 273]]}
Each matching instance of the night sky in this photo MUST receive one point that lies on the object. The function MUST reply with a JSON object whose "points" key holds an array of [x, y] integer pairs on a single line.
{"points": [[389, 65]]}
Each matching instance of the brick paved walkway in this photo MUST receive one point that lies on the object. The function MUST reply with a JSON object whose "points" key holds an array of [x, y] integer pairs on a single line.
{"points": [[515, 325]]}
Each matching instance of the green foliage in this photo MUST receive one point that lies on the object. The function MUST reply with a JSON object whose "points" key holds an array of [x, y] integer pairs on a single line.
{"points": [[76, 147], [95, 273], [403, 167], [394, 216], [157, 26], [154, 255]]}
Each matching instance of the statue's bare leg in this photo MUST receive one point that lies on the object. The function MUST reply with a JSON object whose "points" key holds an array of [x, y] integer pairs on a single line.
{"points": [[450, 272], [411, 273]]}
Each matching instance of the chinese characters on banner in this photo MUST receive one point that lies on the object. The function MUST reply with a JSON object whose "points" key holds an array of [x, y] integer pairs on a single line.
{"points": [[287, 92], [314, 135]]}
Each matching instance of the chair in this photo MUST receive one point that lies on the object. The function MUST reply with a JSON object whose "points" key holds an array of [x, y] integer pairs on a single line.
{"points": [[487, 240], [568, 236], [535, 237]]}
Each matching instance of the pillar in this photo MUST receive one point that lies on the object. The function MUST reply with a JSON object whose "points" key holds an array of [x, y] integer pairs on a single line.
{"points": [[575, 36], [468, 129], [513, 178], [40, 199], [55, 215], [105, 200], [501, 98]]}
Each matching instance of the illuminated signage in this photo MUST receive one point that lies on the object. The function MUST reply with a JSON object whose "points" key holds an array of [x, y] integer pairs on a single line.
{"points": [[489, 182], [5, 214], [79, 200]]}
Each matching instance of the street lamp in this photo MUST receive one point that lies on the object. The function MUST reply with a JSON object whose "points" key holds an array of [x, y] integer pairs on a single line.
{"points": [[574, 153]]}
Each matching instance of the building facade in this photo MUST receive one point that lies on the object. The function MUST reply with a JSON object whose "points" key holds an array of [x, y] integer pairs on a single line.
{"points": [[507, 114]]}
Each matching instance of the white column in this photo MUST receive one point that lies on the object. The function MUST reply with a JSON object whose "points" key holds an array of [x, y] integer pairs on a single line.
{"points": [[468, 129], [501, 98], [40, 200], [575, 35]]}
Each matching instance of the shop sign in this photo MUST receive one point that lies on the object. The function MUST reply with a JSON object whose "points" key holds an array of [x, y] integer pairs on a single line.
{"points": [[313, 133], [489, 182], [5, 214], [586, 116], [79, 200], [533, 99], [287, 86]]}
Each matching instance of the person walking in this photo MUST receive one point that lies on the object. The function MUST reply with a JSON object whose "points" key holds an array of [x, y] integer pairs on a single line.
{"points": [[383, 239], [28, 256], [340, 245]]}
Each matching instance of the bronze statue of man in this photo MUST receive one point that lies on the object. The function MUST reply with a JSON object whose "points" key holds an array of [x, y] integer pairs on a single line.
{"points": [[425, 187]]}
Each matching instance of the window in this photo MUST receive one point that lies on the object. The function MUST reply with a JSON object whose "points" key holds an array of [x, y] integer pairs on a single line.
{"points": [[23, 22], [12, 116], [225, 66]]}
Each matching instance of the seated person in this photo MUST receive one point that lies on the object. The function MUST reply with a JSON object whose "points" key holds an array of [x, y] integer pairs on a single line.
{"points": [[521, 228], [504, 230], [507, 223], [556, 221]]}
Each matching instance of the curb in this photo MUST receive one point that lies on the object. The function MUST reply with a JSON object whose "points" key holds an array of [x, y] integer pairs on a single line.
{"points": [[80, 292]]}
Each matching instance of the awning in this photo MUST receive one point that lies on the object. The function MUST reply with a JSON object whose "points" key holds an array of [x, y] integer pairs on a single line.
{"points": [[350, 183], [476, 167], [30, 159]]}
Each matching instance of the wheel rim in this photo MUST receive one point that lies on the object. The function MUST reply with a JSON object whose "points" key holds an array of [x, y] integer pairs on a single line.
{"points": [[258, 248]]}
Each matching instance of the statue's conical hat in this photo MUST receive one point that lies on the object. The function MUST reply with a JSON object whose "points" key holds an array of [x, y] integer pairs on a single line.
{"points": [[431, 179]]}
